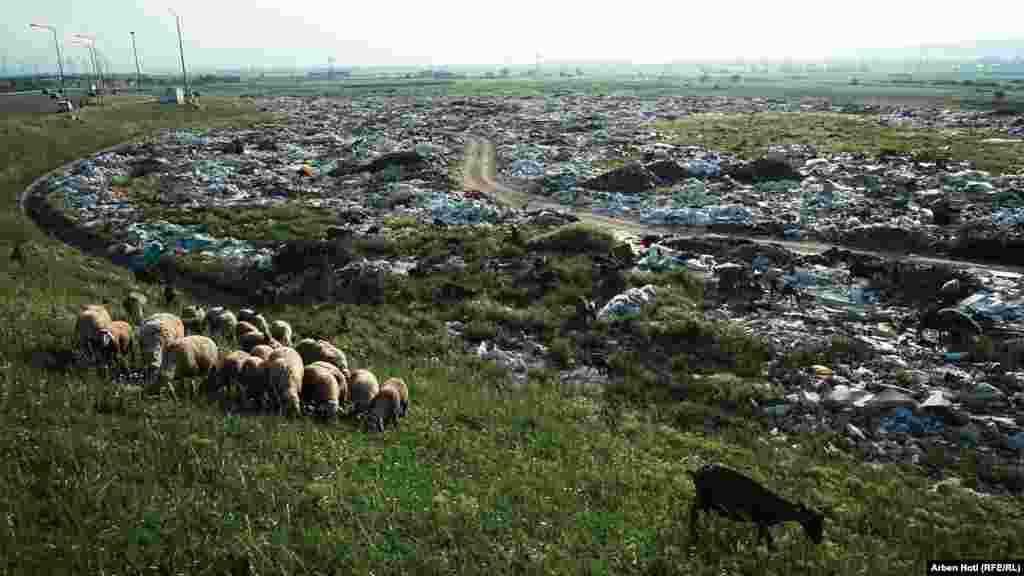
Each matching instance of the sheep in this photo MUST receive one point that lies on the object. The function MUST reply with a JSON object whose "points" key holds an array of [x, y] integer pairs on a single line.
{"points": [[228, 369], [363, 386], [403, 393], [155, 334], [116, 340], [253, 378], [281, 331], [246, 315], [189, 356], [250, 340], [243, 328], [221, 321], [321, 386], [284, 378], [262, 351], [736, 496], [385, 407], [339, 376], [134, 305], [194, 318], [92, 318], [260, 323], [313, 350]]}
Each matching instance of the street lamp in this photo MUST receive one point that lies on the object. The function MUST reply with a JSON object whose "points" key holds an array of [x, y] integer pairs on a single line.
{"points": [[86, 46], [181, 50], [96, 63], [138, 71], [60, 66]]}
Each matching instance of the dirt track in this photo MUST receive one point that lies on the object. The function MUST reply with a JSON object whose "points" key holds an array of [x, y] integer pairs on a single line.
{"points": [[479, 173]]}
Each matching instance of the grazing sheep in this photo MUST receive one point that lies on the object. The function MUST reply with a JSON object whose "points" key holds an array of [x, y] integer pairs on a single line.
{"points": [[92, 318], [253, 378], [194, 318], [403, 392], [155, 334], [321, 386], [284, 379], [339, 376], [282, 332], [362, 387], [734, 495], [260, 323], [228, 370], [134, 306], [250, 340], [262, 351], [190, 356], [313, 350], [385, 408], [116, 341], [243, 328], [221, 321]]}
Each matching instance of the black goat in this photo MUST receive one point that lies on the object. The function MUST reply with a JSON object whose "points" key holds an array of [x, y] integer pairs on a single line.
{"points": [[735, 496]]}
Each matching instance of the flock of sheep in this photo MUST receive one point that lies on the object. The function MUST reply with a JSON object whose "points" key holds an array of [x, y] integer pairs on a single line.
{"points": [[268, 369]]}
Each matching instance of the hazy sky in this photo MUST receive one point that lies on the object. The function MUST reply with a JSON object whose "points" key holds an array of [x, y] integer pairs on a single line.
{"points": [[305, 33]]}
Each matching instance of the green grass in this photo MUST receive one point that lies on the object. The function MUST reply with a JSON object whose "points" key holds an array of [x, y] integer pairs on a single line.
{"points": [[98, 479], [750, 135]]}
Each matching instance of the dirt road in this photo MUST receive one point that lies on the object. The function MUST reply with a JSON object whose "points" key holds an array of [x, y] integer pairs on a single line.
{"points": [[479, 173]]}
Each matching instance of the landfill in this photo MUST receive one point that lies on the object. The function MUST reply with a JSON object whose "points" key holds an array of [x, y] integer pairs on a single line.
{"points": [[370, 159]]}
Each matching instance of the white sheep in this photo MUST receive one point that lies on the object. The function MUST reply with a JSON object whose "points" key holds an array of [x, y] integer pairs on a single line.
{"points": [[403, 393], [134, 306], [321, 386], [92, 318], [155, 334], [189, 356], [385, 407], [313, 350], [262, 351], [284, 379], [362, 387], [282, 332], [116, 341]]}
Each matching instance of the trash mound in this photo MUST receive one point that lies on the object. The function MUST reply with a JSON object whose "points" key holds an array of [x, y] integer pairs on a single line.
{"points": [[575, 238], [631, 178]]}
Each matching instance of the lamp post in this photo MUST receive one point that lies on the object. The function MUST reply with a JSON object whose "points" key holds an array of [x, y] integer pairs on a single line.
{"points": [[60, 65], [84, 45], [181, 50], [138, 71], [95, 62]]}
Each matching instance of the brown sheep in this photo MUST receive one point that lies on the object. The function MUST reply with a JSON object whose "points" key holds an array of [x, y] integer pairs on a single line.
{"points": [[243, 328], [313, 350], [385, 407], [284, 379], [116, 341], [320, 386], [228, 371], [253, 378], [363, 386], [261, 350], [339, 376], [403, 393]]}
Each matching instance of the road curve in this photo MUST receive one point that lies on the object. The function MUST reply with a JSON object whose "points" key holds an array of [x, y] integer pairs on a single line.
{"points": [[479, 173]]}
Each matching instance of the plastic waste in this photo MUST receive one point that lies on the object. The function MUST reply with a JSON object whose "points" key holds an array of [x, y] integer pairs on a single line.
{"points": [[526, 169], [628, 303], [903, 420], [703, 168], [1016, 442], [987, 305]]}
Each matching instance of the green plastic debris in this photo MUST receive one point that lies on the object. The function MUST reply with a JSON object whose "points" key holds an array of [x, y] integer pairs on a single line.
{"points": [[120, 180]]}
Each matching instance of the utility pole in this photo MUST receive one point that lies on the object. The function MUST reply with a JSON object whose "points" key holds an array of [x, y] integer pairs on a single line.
{"points": [[181, 50], [138, 71]]}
